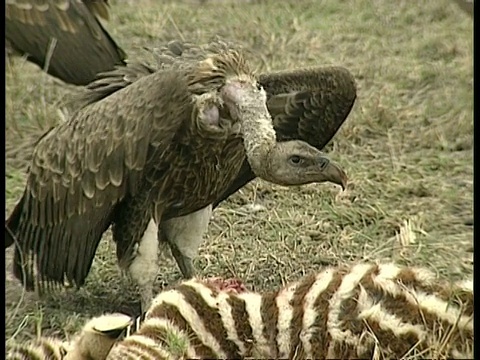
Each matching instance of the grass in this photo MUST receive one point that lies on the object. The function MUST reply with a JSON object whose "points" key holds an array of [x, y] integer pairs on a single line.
{"points": [[407, 147]]}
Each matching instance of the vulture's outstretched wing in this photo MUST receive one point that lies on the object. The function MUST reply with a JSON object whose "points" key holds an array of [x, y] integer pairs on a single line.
{"points": [[82, 49], [308, 105], [82, 168]]}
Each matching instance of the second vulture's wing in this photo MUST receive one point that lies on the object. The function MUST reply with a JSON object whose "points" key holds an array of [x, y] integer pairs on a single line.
{"points": [[308, 104], [83, 47]]}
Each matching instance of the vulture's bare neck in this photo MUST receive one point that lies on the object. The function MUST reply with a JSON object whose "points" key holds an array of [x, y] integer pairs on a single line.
{"points": [[259, 137]]}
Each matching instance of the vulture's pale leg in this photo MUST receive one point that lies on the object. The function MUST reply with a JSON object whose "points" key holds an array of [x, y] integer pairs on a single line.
{"points": [[144, 266], [184, 235]]}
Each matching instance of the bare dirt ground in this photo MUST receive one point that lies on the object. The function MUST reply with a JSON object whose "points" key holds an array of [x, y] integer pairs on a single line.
{"points": [[407, 147]]}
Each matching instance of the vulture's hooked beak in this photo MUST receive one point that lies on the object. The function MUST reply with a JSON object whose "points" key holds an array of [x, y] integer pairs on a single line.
{"points": [[333, 172]]}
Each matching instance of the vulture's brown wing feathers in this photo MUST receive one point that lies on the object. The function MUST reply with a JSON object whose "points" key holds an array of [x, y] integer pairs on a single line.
{"points": [[83, 47], [99, 8], [308, 105], [175, 55], [111, 81], [104, 150]]}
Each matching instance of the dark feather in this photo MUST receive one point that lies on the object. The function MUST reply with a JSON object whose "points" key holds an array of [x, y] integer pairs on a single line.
{"points": [[83, 47], [90, 211]]}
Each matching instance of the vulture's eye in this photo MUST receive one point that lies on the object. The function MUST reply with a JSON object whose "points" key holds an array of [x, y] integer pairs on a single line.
{"points": [[296, 160]]}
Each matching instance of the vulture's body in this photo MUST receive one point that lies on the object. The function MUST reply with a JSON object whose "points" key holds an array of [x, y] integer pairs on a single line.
{"points": [[64, 37], [308, 104], [136, 157]]}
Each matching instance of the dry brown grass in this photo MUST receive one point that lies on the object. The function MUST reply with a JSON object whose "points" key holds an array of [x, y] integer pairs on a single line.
{"points": [[407, 147]]}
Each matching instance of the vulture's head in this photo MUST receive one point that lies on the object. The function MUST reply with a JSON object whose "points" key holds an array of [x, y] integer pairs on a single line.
{"points": [[296, 162]]}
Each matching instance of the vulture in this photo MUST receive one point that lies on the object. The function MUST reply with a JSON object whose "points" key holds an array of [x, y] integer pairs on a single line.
{"points": [[306, 104], [63, 37], [137, 154]]}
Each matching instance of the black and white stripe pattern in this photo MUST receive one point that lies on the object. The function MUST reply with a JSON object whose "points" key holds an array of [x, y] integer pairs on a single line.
{"points": [[342, 312], [43, 348], [357, 311]]}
